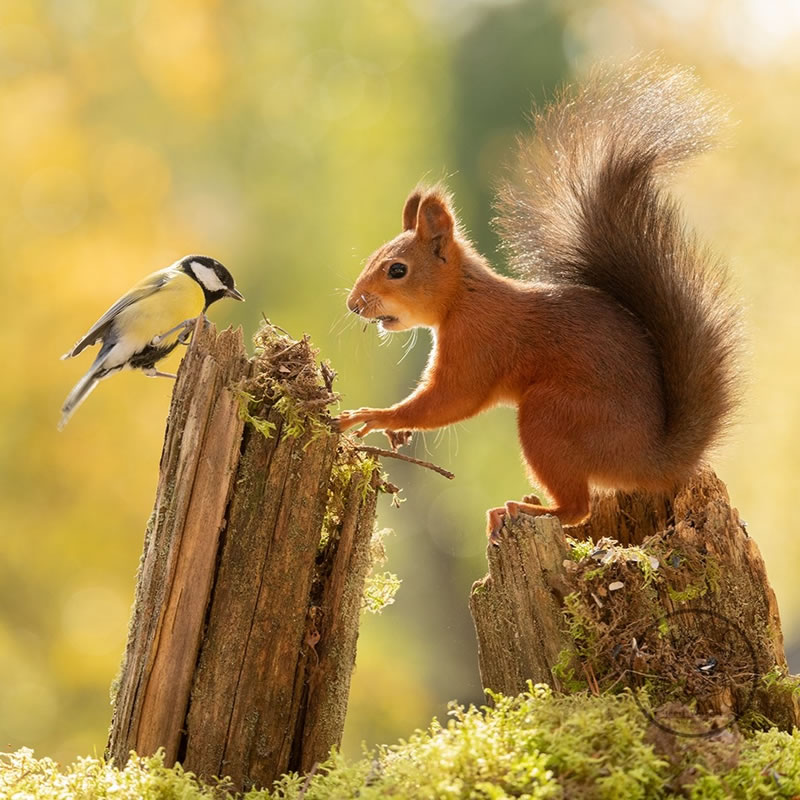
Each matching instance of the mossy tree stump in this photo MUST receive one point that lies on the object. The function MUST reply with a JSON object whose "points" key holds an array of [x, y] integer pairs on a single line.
{"points": [[668, 594], [243, 633]]}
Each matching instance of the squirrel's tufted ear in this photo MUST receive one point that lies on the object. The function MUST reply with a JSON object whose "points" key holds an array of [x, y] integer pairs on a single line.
{"points": [[435, 222], [410, 211]]}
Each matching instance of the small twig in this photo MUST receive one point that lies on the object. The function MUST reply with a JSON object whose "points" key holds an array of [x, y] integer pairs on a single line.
{"points": [[328, 375], [273, 325], [379, 451], [285, 350], [320, 401], [307, 782], [591, 679]]}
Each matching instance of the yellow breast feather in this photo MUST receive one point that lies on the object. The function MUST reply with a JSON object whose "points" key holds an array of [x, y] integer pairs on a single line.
{"points": [[180, 299]]}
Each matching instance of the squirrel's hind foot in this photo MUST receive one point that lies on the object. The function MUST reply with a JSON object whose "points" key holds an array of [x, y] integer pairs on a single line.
{"points": [[530, 504]]}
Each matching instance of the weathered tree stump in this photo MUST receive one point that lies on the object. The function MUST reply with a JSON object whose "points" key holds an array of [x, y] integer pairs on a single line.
{"points": [[683, 609], [243, 633]]}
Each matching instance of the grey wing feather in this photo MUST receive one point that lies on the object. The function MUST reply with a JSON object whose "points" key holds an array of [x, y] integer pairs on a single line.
{"points": [[147, 287]]}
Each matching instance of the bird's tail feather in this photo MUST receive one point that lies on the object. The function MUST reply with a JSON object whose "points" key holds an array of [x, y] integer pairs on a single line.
{"points": [[79, 393]]}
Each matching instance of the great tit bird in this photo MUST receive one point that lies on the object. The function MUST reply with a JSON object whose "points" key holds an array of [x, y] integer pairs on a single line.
{"points": [[149, 321]]}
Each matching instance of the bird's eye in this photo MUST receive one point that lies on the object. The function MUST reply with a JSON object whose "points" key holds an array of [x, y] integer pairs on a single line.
{"points": [[397, 271]]}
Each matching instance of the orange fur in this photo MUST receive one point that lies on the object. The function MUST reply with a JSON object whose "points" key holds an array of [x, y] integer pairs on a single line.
{"points": [[604, 381]]}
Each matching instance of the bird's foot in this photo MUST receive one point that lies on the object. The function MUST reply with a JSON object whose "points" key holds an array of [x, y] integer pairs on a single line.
{"points": [[184, 327], [152, 372]]}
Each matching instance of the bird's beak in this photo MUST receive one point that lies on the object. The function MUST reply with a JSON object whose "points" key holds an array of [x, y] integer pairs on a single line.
{"points": [[235, 294]]}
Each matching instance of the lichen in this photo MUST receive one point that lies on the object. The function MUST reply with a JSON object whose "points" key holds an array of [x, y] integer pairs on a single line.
{"points": [[380, 588]]}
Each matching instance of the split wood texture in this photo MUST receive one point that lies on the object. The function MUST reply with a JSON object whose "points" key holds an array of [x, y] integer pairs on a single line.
{"points": [[674, 596], [243, 633]]}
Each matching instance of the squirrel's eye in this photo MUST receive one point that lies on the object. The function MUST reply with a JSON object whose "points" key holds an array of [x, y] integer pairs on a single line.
{"points": [[397, 271]]}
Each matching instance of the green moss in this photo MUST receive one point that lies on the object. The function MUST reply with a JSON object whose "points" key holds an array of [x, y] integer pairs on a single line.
{"points": [[564, 671], [769, 767], [379, 588], [778, 680], [752, 721], [248, 402], [647, 562], [537, 745], [347, 467], [285, 377], [580, 624], [298, 420], [579, 548], [354, 472], [533, 746], [617, 594], [23, 776], [615, 554], [691, 592], [712, 574]]}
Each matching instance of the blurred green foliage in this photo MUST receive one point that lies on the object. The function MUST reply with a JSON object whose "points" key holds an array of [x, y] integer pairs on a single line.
{"points": [[282, 138]]}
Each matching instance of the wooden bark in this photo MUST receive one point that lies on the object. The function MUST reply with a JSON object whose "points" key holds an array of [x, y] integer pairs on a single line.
{"points": [[244, 628], [684, 608], [517, 606]]}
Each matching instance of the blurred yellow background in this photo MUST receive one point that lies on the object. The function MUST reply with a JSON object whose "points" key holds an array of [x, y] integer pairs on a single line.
{"points": [[282, 138]]}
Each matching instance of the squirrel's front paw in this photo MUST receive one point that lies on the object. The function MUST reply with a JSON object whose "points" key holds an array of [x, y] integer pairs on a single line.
{"points": [[398, 438]]}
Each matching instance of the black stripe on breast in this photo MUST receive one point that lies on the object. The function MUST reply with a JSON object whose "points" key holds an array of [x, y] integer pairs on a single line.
{"points": [[147, 358]]}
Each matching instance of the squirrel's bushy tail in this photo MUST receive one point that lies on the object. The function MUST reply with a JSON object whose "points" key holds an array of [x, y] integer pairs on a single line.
{"points": [[586, 206]]}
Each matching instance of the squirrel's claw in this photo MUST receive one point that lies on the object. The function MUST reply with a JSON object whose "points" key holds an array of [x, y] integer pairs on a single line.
{"points": [[348, 419], [373, 419], [495, 518], [398, 438], [512, 509]]}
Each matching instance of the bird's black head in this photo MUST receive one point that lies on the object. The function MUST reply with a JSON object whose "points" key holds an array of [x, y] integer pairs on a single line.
{"points": [[214, 279]]}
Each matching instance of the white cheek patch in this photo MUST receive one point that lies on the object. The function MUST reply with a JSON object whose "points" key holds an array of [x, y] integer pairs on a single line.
{"points": [[207, 277]]}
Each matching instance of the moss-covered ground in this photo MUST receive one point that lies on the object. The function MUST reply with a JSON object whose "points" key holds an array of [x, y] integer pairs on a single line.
{"points": [[537, 745]]}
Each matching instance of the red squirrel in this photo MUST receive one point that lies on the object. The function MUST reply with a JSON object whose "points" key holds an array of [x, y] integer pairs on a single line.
{"points": [[618, 340]]}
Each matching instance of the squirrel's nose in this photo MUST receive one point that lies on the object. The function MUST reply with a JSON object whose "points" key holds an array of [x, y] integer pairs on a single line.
{"points": [[355, 303]]}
